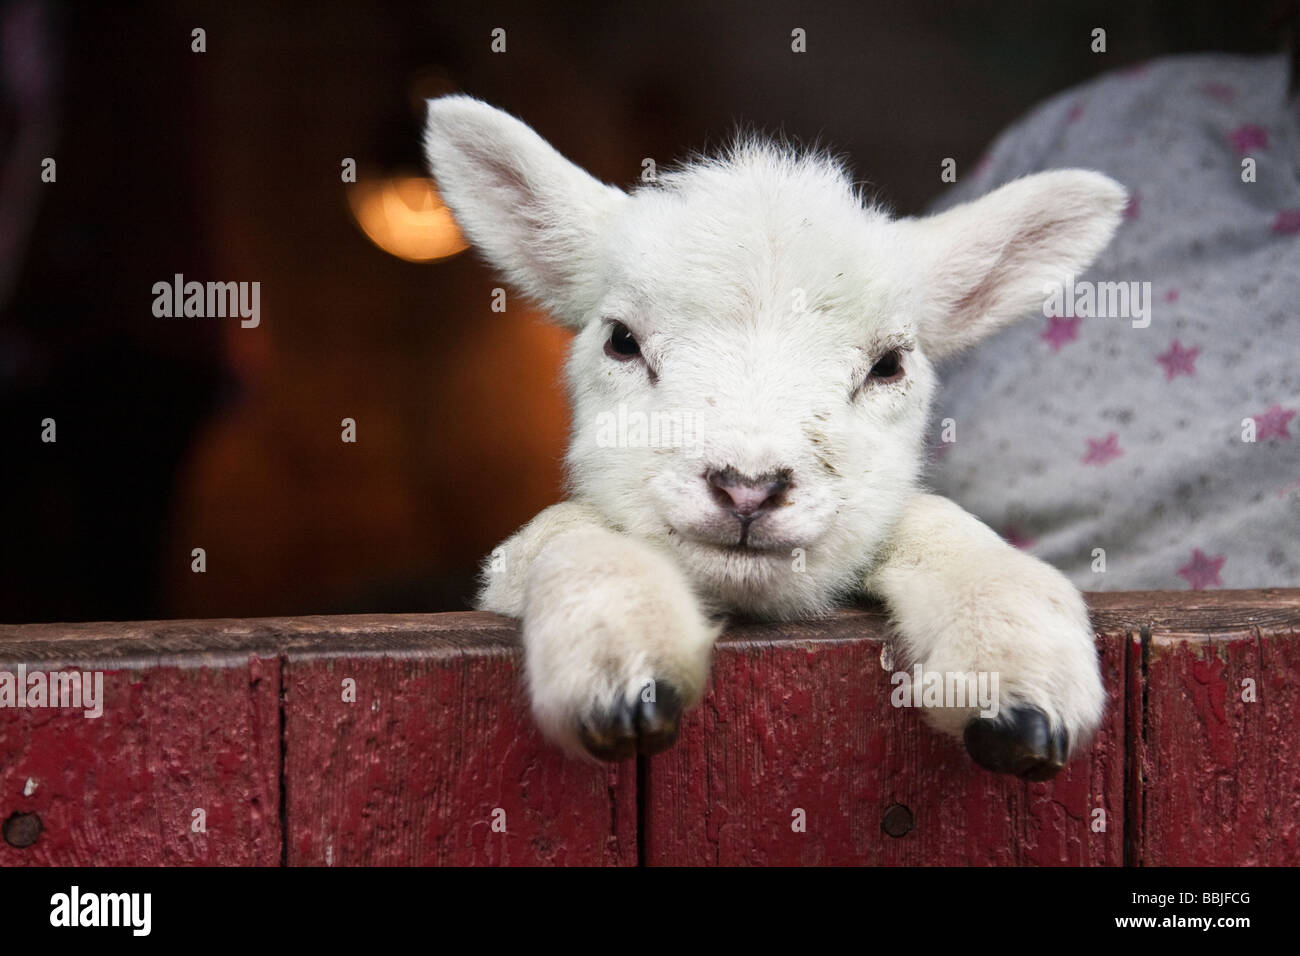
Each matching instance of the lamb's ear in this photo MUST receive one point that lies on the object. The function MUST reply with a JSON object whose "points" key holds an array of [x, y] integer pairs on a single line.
{"points": [[982, 265], [534, 216]]}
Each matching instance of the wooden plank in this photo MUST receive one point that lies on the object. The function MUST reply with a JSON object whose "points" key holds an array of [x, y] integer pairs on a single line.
{"points": [[434, 757], [208, 641], [121, 789], [798, 718], [450, 742], [1134, 780], [1220, 772], [1193, 612]]}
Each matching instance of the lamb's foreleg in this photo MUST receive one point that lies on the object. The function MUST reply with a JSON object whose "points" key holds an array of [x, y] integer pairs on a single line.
{"points": [[616, 644], [963, 600]]}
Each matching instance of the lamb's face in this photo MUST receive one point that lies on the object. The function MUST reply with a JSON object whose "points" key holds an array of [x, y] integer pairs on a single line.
{"points": [[751, 366], [750, 391]]}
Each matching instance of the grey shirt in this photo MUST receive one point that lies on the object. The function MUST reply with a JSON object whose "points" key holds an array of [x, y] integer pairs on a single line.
{"points": [[1093, 442]]}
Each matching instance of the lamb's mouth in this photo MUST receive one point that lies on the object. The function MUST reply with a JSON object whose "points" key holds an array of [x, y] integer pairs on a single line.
{"points": [[742, 547]]}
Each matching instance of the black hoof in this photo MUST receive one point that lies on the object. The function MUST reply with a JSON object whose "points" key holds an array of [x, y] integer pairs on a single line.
{"points": [[1018, 742], [640, 727]]}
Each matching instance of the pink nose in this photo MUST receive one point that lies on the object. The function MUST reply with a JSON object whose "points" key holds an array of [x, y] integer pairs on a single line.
{"points": [[747, 497]]}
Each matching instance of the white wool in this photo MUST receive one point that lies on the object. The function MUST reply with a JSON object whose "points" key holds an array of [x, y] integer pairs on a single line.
{"points": [[761, 289]]}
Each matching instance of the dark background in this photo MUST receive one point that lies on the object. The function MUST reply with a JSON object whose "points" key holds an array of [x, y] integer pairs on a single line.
{"points": [[225, 165]]}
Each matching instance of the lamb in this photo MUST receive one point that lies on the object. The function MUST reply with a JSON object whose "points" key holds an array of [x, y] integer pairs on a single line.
{"points": [[797, 326]]}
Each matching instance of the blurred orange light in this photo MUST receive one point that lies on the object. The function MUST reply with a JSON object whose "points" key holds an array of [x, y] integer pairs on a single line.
{"points": [[404, 216]]}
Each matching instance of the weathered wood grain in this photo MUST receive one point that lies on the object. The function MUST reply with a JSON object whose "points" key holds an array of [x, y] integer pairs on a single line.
{"points": [[220, 715], [192, 643], [1220, 772], [121, 789], [437, 762], [1195, 612], [799, 719], [438, 739]]}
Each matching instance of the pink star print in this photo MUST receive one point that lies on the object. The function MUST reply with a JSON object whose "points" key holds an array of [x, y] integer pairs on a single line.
{"points": [[1272, 424], [1134, 208], [1202, 571], [1219, 91], [1016, 538], [1075, 113], [1179, 361], [1287, 222], [1247, 136], [1060, 329], [1171, 295], [1103, 450]]}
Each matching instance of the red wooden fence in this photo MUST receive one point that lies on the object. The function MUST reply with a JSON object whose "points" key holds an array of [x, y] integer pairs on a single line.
{"points": [[233, 742]]}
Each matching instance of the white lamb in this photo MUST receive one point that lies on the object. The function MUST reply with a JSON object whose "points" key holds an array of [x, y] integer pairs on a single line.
{"points": [[757, 296]]}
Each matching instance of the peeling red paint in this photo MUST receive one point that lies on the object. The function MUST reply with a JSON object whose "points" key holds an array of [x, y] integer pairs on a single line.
{"points": [[1187, 770], [830, 744], [121, 789], [1223, 784]]}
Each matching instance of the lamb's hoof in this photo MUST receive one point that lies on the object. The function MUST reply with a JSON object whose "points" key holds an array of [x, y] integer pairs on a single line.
{"points": [[1018, 742], [640, 727]]}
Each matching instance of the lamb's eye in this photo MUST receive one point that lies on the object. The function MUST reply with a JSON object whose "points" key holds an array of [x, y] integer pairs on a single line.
{"points": [[888, 368], [621, 344]]}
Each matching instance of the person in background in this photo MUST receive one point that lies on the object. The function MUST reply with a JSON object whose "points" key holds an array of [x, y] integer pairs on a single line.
{"points": [[1158, 449]]}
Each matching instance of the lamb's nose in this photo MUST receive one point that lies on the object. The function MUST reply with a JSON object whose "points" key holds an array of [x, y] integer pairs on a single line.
{"points": [[746, 497]]}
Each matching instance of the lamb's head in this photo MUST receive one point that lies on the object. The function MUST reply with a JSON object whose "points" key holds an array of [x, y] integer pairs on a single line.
{"points": [[751, 368]]}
